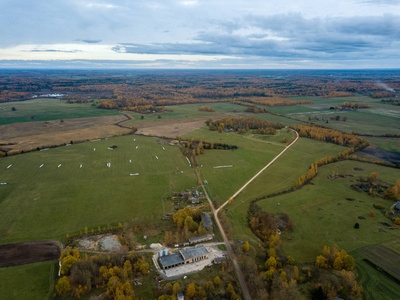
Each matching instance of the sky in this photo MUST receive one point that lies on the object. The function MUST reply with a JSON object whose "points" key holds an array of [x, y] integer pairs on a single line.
{"points": [[200, 34]]}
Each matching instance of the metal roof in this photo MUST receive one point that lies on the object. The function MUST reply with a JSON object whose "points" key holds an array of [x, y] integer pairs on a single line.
{"points": [[193, 252], [207, 222], [197, 238], [170, 260]]}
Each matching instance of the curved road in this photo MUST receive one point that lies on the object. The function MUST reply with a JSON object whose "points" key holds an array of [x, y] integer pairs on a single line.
{"points": [[242, 282]]}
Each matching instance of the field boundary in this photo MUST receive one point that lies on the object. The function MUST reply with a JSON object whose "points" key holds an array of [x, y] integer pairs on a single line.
{"points": [[381, 270]]}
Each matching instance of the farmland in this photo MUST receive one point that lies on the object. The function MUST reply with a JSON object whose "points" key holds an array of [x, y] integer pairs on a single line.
{"points": [[32, 281], [278, 177], [375, 284], [68, 198], [323, 216], [249, 158], [46, 109], [372, 120]]}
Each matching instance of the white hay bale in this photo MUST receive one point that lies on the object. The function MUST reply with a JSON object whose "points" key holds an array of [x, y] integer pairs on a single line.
{"points": [[80, 166], [137, 147], [156, 156], [109, 165], [134, 140], [130, 161], [59, 165], [96, 140], [109, 148], [44, 149], [163, 148], [41, 166], [135, 174], [68, 145], [9, 166], [94, 149], [3, 183]]}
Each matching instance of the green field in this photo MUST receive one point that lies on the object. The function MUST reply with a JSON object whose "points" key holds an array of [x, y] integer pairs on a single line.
{"points": [[189, 111], [378, 120], [31, 281], [46, 109], [375, 284], [390, 144], [281, 175], [49, 202], [246, 161], [323, 216]]}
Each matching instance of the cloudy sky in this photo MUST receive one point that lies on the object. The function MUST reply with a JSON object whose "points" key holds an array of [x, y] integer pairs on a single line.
{"points": [[224, 34]]}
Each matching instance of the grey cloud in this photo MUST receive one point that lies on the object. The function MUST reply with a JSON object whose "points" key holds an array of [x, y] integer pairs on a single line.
{"points": [[289, 35], [53, 50], [90, 41]]}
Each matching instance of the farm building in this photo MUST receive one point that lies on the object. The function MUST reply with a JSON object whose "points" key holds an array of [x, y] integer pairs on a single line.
{"points": [[195, 200], [200, 239], [185, 256], [207, 222], [397, 206], [191, 255], [180, 296]]}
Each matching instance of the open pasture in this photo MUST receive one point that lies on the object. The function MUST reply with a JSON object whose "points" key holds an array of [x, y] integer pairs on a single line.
{"points": [[46, 109], [58, 191], [185, 111], [324, 215], [246, 161], [31, 281], [281, 175]]}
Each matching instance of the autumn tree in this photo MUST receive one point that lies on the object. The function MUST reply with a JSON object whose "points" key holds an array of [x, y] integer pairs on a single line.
{"points": [[217, 281], [246, 247], [191, 290], [63, 286], [176, 288]]}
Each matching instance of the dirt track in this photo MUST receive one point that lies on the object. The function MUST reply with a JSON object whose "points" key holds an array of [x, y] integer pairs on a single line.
{"points": [[28, 252]]}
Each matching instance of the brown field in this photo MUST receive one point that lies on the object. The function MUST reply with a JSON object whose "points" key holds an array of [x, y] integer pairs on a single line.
{"points": [[384, 258], [28, 252], [29, 136], [174, 128]]}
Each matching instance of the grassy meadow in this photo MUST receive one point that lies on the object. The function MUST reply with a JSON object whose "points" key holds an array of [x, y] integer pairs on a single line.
{"points": [[189, 111], [31, 281], [323, 216], [46, 109], [246, 161], [50, 201], [281, 175]]}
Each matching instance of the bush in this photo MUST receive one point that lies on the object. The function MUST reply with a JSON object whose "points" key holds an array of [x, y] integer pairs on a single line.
{"points": [[357, 225], [378, 206]]}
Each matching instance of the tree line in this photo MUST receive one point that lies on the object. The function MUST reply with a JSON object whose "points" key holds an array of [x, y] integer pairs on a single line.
{"points": [[241, 125]]}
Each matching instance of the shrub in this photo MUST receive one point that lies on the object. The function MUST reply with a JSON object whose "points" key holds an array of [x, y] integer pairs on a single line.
{"points": [[357, 225], [378, 206]]}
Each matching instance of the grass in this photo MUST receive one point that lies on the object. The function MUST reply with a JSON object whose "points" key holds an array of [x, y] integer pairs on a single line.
{"points": [[373, 120], [31, 281], [49, 202], [375, 284], [323, 216], [189, 111], [390, 144], [281, 175], [249, 158], [46, 109]]}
